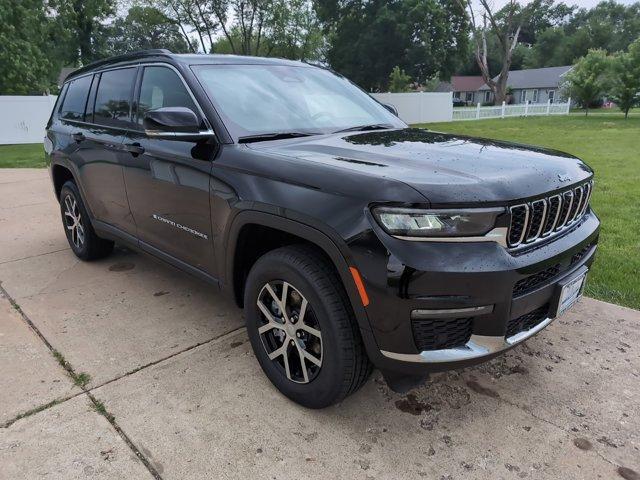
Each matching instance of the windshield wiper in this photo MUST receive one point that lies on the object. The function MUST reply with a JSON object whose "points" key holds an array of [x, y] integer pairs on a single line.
{"points": [[362, 128], [274, 136]]}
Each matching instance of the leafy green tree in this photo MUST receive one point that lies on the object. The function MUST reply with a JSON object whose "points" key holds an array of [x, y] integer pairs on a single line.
{"points": [[82, 27], [506, 29], [625, 82], [144, 28], [290, 29], [367, 39], [293, 32], [25, 67], [398, 80], [538, 16], [609, 26], [588, 80]]}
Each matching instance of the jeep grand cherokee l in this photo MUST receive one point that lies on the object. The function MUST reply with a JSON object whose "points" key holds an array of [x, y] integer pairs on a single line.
{"points": [[350, 239]]}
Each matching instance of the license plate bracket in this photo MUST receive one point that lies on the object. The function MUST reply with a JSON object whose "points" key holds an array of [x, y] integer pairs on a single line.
{"points": [[568, 292]]}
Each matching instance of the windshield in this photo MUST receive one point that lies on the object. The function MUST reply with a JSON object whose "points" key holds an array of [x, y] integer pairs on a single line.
{"points": [[268, 99]]}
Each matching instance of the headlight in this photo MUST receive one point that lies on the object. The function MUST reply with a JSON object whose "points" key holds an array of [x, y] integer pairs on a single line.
{"points": [[408, 222]]}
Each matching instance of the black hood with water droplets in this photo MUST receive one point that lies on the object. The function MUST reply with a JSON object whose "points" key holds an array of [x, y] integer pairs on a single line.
{"points": [[445, 168]]}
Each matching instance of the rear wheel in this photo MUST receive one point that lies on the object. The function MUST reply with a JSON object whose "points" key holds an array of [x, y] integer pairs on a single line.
{"points": [[82, 238], [302, 329]]}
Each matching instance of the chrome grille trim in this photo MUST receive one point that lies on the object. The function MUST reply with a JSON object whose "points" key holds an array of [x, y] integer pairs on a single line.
{"points": [[572, 204], [531, 236], [567, 203], [551, 225], [588, 188], [577, 204], [525, 226]]}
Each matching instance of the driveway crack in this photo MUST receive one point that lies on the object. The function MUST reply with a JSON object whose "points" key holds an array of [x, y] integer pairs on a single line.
{"points": [[97, 405], [168, 357]]}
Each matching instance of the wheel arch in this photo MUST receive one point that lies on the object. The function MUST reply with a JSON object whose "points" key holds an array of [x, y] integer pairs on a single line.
{"points": [[339, 257], [61, 174]]}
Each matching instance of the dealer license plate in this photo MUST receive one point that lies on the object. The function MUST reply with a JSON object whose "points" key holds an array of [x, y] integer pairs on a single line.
{"points": [[571, 293]]}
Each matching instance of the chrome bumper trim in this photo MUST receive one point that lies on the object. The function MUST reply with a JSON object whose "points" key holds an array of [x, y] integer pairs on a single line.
{"points": [[423, 313], [478, 346]]}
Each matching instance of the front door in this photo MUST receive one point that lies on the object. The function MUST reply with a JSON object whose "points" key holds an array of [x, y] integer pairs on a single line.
{"points": [[167, 181]]}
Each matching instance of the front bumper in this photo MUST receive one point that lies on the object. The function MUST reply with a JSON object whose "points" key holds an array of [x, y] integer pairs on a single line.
{"points": [[478, 347], [499, 291]]}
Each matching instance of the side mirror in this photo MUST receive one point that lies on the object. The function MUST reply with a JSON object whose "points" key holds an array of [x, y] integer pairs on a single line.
{"points": [[171, 119], [173, 123], [391, 108]]}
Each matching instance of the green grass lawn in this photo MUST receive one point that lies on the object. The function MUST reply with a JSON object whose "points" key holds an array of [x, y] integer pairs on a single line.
{"points": [[611, 146], [30, 155], [606, 111]]}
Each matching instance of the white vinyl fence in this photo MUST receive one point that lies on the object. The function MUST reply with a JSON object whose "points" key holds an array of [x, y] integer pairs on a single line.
{"points": [[501, 111], [24, 118], [420, 107]]}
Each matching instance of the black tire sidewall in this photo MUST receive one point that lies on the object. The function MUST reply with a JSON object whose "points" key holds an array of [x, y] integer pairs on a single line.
{"points": [[69, 188], [328, 384]]}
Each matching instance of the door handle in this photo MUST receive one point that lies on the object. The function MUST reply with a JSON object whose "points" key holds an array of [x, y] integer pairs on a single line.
{"points": [[78, 137], [134, 148]]}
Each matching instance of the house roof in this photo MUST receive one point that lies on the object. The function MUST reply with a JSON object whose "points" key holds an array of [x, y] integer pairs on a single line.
{"points": [[64, 73], [549, 77], [461, 83]]}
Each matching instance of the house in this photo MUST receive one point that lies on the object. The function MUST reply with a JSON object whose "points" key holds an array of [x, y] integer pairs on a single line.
{"points": [[464, 88], [535, 85], [64, 73]]}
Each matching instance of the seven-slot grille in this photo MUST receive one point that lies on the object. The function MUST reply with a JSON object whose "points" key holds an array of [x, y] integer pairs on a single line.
{"points": [[546, 216]]}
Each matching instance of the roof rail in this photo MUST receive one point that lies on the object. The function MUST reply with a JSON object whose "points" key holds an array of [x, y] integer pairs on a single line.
{"points": [[119, 58]]}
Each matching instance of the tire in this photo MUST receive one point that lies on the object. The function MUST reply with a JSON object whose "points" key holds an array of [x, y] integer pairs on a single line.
{"points": [[83, 240], [308, 278]]}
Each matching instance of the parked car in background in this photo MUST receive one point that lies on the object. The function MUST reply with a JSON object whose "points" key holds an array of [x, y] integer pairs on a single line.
{"points": [[350, 239]]}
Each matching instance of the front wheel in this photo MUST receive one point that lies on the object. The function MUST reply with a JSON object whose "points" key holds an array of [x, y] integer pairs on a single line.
{"points": [[302, 329]]}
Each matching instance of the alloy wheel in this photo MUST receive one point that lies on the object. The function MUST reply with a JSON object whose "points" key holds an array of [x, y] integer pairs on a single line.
{"points": [[290, 331], [73, 221]]}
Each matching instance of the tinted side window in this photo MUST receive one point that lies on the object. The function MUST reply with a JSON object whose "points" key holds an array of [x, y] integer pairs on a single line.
{"points": [[162, 87], [76, 99], [113, 99]]}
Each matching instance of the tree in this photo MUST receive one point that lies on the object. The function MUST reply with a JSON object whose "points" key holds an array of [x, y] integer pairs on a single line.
{"points": [[25, 67], [610, 26], [367, 39], [538, 16], [587, 80], [293, 32], [145, 28], [247, 27], [506, 29], [81, 26], [287, 29], [398, 80], [625, 82]]}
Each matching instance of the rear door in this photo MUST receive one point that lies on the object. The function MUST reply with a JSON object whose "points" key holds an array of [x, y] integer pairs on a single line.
{"points": [[168, 180], [107, 119]]}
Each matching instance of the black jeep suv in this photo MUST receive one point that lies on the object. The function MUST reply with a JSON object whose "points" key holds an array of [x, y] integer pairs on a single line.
{"points": [[350, 239]]}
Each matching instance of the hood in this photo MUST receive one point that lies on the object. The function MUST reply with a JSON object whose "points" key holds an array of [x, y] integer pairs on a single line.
{"points": [[445, 168]]}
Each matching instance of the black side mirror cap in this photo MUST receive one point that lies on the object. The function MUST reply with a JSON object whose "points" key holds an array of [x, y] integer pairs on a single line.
{"points": [[391, 108], [171, 120]]}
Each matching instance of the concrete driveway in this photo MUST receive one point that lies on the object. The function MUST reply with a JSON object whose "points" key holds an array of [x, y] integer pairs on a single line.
{"points": [[127, 368]]}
